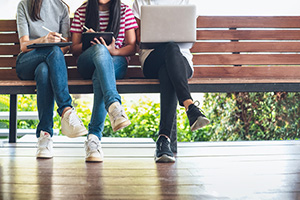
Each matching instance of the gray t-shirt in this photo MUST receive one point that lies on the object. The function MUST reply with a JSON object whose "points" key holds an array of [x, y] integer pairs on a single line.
{"points": [[54, 14]]}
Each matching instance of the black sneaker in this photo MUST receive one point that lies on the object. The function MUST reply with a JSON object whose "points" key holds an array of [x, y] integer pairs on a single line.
{"points": [[196, 117], [163, 153]]}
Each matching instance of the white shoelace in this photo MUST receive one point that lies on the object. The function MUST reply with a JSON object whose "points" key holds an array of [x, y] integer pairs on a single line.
{"points": [[118, 112], [74, 119], [93, 145]]}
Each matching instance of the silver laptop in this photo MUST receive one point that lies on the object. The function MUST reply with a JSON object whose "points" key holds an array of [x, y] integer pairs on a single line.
{"points": [[161, 24]]}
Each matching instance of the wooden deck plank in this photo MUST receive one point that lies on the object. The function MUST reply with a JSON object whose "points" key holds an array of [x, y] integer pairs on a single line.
{"points": [[203, 170]]}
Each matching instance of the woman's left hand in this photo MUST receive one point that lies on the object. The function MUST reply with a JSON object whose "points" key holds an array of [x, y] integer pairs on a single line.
{"points": [[111, 48]]}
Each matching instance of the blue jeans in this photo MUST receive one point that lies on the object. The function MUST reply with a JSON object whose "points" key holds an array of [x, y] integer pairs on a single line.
{"points": [[48, 68], [97, 64]]}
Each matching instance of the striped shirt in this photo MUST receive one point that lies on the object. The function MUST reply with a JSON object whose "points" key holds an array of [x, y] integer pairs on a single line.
{"points": [[127, 22]]}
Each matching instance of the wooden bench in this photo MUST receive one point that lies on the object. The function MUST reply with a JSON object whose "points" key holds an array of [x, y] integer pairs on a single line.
{"points": [[232, 54]]}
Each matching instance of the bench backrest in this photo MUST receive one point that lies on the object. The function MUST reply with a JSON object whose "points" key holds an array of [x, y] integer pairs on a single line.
{"points": [[227, 46]]}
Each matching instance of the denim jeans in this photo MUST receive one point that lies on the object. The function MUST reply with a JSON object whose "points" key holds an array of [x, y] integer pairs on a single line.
{"points": [[48, 68], [97, 64], [172, 69]]}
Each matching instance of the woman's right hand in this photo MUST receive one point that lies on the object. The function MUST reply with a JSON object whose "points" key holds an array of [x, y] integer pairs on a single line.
{"points": [[52, 37]]}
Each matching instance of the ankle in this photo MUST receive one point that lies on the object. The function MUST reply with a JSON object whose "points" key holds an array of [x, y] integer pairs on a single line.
{"points": [[187, 103], [164, 136], [65, 110]]}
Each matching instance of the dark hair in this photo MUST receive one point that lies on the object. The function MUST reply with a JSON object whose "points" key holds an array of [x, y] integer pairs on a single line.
{"points": [[92, 16], [35, 9]]}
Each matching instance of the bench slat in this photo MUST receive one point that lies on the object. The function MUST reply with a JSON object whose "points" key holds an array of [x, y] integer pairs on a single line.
{"points": [[215, 35], [246, 59], [8, 74], [8, 62], [246, 47], [261, 72], [248, 34], [8, 25], [135, 74], [9, 38], [9, 49], [248, 22], [132, 82]]}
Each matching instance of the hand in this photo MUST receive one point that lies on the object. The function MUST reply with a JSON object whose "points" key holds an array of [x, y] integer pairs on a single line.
{"points": [[90, 30], [111, 48], [52, 37]]}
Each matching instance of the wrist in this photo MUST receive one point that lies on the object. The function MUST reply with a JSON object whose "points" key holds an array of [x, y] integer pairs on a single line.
{"points": [[115, 52]]}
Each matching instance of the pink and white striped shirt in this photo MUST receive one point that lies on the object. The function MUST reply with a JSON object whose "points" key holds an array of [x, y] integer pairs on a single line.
{"points": [[127, 22]]}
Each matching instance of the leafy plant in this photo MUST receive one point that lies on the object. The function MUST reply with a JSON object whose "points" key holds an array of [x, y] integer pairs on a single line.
{"points": [[233, 116], [253, 116]]}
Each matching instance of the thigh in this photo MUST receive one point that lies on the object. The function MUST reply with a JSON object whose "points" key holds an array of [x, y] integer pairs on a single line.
{"points": [[27, 63], [85, 65], [154, 62], [120, 66]]}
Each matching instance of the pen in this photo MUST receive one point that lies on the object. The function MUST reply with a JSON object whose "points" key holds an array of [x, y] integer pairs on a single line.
{"points": [[85, 27], [52, 31]]}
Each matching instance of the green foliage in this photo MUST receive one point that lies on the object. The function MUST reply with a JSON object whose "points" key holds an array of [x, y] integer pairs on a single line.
{"points": [[233, 116], [4, 106], [144, 116], [4, 102], [253, 116]]}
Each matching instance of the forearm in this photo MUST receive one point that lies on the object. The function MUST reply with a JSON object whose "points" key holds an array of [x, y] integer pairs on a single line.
{"points": [[24, 44], [125, 51], [76, 49]]}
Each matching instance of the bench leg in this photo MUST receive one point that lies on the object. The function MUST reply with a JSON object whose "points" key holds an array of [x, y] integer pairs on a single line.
{"points": [[173, 136], [13, 119]]}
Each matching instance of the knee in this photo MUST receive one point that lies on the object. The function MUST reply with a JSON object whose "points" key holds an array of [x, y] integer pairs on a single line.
{"points": [[41, 73], [56, 51], [172, 47], [100, 50]]}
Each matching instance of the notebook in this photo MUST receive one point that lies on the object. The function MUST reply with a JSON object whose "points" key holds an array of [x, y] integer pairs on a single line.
{"points": [[165, 23], [41, 45]]}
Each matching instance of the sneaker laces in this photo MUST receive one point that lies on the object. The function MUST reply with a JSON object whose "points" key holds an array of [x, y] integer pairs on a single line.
{"points": [[164, 144], [118, 112], [74, 119], [92, 145], [197, 104]]}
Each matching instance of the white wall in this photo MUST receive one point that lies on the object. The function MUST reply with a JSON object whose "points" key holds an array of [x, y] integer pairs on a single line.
{"points": [[204, 7]]}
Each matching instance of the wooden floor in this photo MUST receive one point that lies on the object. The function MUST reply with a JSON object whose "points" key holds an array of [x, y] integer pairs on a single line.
{"points": [[205, 170]]}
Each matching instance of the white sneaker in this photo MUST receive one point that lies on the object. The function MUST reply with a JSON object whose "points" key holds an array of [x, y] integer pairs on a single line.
{"points": [[93, 149], [44, 146], [117, 116], [71, 125]]}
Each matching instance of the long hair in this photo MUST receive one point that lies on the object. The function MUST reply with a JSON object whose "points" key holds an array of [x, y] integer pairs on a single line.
{"points": [[35, 9], [92, 16]]}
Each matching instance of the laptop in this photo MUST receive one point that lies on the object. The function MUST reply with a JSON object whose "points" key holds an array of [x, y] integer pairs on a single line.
{"points": [[165, 23]]}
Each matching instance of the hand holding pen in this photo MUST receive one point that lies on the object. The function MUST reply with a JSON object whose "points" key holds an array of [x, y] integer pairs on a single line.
{"points": [[53, 36]]}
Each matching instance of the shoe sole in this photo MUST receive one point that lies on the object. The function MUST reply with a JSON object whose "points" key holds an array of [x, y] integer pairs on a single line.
{"points": [[199, 123], [93, 159], [76, 134], [165, 159], [43, 157], [122, 125]]}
